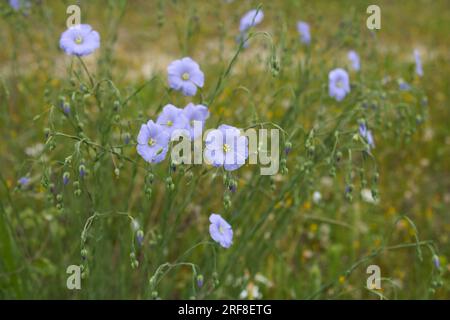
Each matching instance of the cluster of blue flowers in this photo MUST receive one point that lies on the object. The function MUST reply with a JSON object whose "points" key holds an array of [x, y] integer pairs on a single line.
{"points": [[225, 146], [153, 138]]}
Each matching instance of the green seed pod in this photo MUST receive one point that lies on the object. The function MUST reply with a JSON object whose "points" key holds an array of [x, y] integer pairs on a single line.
{"points": [[150, 177], [148, 192], [116, 105], [152, 282]]}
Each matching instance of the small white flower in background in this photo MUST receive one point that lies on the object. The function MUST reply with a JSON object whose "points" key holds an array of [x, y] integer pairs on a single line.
{"points": [[251, 292], [135, 225], [262, 279], [317, 196], [366, 195], [35, 150]]}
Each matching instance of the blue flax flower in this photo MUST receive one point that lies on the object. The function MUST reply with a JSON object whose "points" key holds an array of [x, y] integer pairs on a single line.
{"points": [[194, 113], [24, 181], [303, 29], [220, 230], [338, 84], [419, 70], [153, 142], [79, 40], [185, 75], [353, 57], [172, 119], [367, 135], [250, 19], [226, 147]]}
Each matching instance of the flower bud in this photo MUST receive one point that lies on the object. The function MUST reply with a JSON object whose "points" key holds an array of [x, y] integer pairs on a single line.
{"points": [[82, 170], [287, 148], [116, 105], [140, 237], [66, 178], [200, 280], [436, 262]]}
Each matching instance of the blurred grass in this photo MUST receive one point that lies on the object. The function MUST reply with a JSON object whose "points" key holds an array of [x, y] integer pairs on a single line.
{"points": [[290, 248]]}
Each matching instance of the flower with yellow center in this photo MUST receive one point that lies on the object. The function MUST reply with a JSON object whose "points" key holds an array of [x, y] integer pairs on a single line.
{"points": [[169, 123]]}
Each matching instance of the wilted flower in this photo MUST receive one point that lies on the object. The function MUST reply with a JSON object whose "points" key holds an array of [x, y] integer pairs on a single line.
{"points": [[172, 118], [353, 57], [419, 70], [220, 230], [152, 142], [303, 29], [226, 147], [250, 19], [193, 113], [185, 75], [338, 84], [366, 134], [80, 40]]}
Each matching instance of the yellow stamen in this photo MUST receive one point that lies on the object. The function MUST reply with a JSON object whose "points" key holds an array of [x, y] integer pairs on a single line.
{"points": [[78, 40], [185, 76], [151, 142], [226, 148], [169, 123]]}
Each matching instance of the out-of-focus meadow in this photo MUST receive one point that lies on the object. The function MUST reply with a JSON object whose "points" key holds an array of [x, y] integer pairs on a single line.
{"points": [[308, 232]]}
